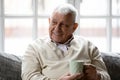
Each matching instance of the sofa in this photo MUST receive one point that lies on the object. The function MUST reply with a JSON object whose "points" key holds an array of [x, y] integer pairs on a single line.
{"points": [[112, 61], [10, 66]]}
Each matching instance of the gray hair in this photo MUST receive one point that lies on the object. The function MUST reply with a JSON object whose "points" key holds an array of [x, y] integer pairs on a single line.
{"points": [[65, 9]]}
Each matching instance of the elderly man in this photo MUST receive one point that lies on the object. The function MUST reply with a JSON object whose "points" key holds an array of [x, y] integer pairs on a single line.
{"points": [[48, 58]]}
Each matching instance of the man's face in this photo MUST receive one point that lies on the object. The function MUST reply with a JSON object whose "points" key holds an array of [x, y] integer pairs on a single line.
{"points": [[61, 27]]}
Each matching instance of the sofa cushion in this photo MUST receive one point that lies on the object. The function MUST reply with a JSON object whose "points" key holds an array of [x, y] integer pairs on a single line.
{"points": [[10, 67], [112, 61]]}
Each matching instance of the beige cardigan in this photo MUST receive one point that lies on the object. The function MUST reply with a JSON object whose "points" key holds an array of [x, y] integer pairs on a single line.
{"points": [[43, 60]]}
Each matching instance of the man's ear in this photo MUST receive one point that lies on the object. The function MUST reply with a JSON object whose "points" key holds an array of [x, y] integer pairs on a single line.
{"points": [[75, 26]]}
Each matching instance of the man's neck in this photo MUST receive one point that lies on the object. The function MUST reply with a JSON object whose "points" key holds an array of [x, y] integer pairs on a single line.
{"points": [[66, 43]]}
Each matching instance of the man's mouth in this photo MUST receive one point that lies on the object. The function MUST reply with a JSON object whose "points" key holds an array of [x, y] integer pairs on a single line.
{"points": [[58, 33]]}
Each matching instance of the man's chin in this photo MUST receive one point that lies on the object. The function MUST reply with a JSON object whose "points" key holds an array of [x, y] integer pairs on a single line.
{"points": [[57, 40]]}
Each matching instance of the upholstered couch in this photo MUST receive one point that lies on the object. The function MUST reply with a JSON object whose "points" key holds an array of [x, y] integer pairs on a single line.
{"points": [[10, 66]]}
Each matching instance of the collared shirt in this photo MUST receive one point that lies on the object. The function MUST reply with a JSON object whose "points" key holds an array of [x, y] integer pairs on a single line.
{"points": [[64, 47]]}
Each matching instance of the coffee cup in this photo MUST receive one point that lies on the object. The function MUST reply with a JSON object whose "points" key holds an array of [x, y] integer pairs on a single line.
{"points": [[76, 66]]}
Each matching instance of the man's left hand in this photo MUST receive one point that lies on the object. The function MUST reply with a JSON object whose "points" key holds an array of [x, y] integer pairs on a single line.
{"points": [[90, 72]]}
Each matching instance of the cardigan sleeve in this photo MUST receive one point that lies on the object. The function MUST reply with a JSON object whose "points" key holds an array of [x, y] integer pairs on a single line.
{"points": [[97, 60], [31, 66]]}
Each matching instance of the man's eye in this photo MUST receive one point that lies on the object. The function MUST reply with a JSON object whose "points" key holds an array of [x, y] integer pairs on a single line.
{"points": [[65, 25], [54, 23]]}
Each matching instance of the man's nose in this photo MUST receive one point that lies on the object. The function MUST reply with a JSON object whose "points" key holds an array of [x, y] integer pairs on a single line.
{"points": [[58, 27]]}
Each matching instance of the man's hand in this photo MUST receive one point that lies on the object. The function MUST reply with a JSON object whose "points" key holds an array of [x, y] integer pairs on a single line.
{"points": [[71, 77], [90, 73]]}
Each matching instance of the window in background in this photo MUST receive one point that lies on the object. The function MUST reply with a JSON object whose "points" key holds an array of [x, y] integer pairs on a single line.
{"points": [[18, 34], [18, 7], [18, 27], [93, 7], [116, 7], [45, 7], [93, 22], [116, 35], [1, 27], [43, 26], [116, 26], [94, 30], [25, 20]]}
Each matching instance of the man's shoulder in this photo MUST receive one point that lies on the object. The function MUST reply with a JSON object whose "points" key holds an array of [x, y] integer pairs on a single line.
{"points": [[80, 38]]}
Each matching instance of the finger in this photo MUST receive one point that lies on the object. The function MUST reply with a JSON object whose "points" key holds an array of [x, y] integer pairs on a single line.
{"points": [[81, 76], [75, 76], [89, 66]]}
